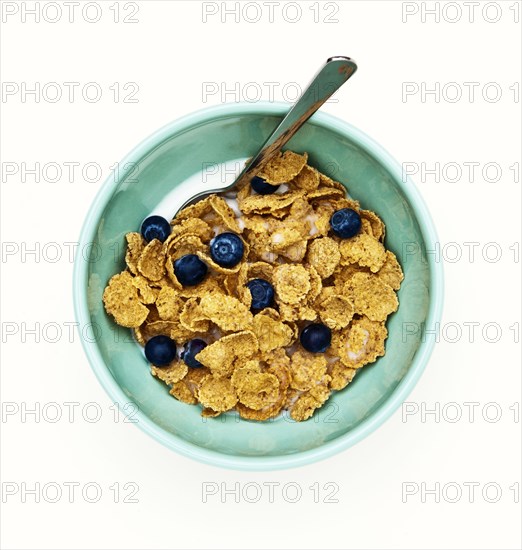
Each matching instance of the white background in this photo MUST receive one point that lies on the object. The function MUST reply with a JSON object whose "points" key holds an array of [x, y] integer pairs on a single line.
{"points": [[173, 55]]}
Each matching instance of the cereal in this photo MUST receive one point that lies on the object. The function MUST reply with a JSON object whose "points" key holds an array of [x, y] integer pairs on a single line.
{"points": [[171, 374], [191, 226], [186, 389], [207, 412], [307, 368], [324, 256], [254, 362], [283, 238], [192, 316], [225, 214], [361, 343], [326, 181], [180, 334], [295, 252], [307, 179], [220, 356], [135, 246], [297, 312], [336, 311], [169, 266], [375, 223], [185, 244], [198, 210], [147, 294], [152, 261], [291, 282], [169, 304], [209, 284], [275, 204], [218, 268], [152, 328], [308, 402], [341, 375], [325, 193], [182, 393], [217, 393], [316, 285], [262, 270], [122, 301], [271, 334], [278, 361], [391, 272], [364, 250], [227, 312], [283, 168], [255, 389], [371, 296]]}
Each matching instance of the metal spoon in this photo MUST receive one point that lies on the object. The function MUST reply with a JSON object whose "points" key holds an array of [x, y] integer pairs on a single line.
{"points": [[332, 75]]}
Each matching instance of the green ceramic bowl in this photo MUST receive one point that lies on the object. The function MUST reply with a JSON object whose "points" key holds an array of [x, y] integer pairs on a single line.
{"points": [[229, 132]]}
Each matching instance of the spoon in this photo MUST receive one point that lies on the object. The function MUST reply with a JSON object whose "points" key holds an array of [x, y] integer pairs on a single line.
{"points": [[332, 75]]}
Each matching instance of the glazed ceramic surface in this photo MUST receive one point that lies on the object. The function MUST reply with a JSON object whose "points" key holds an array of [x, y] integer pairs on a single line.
{"points": [[217, 135]]}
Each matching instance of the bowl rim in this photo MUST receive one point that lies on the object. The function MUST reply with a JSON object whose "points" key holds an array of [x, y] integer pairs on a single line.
{"points": [[325, 450]]}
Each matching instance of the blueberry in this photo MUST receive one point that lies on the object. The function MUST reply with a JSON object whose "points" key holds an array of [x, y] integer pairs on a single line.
{"points": [[262, 293], [345, 223], [155, 227], [190, 270], [316, 338], [160, 350], [259, 185], [226, 249], [192, 348]]}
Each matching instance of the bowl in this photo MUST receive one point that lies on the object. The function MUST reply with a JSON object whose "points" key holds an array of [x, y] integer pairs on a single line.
{"points": [[170, 156]]}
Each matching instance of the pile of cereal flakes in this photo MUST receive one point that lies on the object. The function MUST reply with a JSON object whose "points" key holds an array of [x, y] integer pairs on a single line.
{"points": [[254, 363]]}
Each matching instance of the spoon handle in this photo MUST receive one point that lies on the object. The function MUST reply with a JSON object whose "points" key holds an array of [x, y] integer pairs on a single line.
{"points": [[332, 75]]}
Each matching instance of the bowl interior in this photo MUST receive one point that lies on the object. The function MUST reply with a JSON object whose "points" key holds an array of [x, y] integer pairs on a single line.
{"points": [[333, 151]]}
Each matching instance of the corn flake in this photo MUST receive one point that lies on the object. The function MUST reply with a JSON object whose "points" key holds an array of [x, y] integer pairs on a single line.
{"points": [[364, 250], [147, 294], [341, 375], [226, 216], [217, 393], [307, 368], [192, 317], [336, 312], [121, 300], [255, 389], [376, 225], [135, 246], [324, 256], [307, 179], [360, 343], [283, 168], [271, 334], [220, 356], [391, 272], [152, 260], [371, 297], [276, 205], [169, 304], [306, 404], [172, 373], [291, 282], [227, 312], [190, 226], [186, 389]]}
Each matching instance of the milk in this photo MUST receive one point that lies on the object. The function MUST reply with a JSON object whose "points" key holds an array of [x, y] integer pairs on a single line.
{"points": [[222, 175]]}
